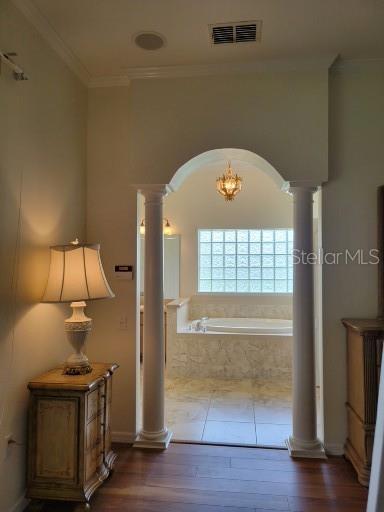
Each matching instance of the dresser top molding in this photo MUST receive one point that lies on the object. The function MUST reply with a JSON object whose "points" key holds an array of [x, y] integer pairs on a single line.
{"points": [[364, 325], [55, 378]]}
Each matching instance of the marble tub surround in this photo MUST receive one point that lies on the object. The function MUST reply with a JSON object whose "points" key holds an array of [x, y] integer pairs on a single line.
{"points": [[192, 354], [230, 411], [241, 306], [229, 356], [178, 315]]}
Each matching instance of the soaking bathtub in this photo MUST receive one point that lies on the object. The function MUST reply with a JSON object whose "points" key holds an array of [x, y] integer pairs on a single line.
{"points": [[228, 348], [267, 326]]}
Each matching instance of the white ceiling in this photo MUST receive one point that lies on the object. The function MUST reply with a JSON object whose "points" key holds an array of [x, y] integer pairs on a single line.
{"points": [[99, 32]]}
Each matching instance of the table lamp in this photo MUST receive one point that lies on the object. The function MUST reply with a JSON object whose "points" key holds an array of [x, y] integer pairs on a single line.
{"points": [[76, 275]]}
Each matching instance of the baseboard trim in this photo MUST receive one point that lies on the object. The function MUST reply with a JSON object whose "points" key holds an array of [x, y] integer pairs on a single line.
{"points": [[20, 504], [313, 450], [334, 449], [157, 443], [124, 437]]}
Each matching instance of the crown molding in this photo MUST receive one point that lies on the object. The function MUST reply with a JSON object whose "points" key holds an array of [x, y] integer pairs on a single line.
{"points": [[45, 29], [42, 25], [35, 17], [180, 71], [109, 81], [342, 63]]}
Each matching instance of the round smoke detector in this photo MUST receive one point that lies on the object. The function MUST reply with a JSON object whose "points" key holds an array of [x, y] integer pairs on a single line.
{"points": [[149, 40]]}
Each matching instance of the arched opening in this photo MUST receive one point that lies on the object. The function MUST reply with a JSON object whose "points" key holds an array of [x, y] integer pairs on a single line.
{"points": [[218, 156], [235, 299], [224, 386]]}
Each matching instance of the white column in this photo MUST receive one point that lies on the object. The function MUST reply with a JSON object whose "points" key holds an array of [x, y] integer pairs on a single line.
{"points": [[154, 433], [303, 442]]}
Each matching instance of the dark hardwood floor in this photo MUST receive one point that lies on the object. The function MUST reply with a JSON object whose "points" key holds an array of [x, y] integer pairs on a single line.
{"points": [[202, 478]]}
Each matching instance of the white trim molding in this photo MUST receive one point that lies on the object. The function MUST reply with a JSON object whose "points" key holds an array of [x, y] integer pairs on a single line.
{"points": [[180, 71], [20, 504], [288, 186], [220, 155], [42, 25], [45, 29], [352, 64], [336, 449], [124, 437], [109, 81], [156, 188]]}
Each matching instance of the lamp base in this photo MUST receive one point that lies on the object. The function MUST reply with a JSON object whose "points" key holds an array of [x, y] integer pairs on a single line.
{"points": [[77, 370], [77, 328]]}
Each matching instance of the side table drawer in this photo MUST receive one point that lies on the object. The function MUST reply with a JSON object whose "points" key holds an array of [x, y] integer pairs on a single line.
{"points": [[92, 404], [94, 432]]}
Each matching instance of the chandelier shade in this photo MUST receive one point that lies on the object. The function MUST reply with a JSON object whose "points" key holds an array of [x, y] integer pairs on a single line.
{"points": [[229, 184]]}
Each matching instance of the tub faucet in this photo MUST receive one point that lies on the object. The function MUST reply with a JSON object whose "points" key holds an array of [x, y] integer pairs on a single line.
{"points": [[203, 323]]}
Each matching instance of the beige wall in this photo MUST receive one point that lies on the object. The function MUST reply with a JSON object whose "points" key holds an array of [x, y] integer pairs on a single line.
{"points": [[42, 191], [111, 220], [281, 116], [260, 205], [350, 219]]}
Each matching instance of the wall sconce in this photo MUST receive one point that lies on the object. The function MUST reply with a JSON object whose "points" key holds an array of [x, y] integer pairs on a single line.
{"points": [[167, 228]]}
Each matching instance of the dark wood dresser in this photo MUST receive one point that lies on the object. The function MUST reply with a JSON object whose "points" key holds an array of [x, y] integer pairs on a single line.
{"points": [[364, 351], [69, 448]]}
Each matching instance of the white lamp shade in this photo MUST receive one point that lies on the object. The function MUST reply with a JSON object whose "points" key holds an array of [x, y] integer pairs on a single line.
{"points": [[76, 274]]}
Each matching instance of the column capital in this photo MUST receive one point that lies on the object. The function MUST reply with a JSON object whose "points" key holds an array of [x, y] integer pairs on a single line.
{"points": [[305, 185], [153, 191]]}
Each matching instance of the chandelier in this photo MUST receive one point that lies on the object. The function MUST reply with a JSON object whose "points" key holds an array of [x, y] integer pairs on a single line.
{"points": [[229, 184]]}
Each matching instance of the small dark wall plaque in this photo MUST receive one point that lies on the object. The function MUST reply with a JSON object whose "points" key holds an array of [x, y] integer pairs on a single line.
{"points": [[124, 272]]}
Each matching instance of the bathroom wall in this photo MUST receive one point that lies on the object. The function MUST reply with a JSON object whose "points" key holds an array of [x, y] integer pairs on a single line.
{"points": [[197, 205], [42, 197]]}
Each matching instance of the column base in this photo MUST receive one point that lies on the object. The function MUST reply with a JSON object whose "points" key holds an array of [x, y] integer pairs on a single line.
{"points": [[153, 441], [312, 450]]}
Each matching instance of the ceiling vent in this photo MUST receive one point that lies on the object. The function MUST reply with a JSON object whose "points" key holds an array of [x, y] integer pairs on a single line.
{"points": [[235, 32]]}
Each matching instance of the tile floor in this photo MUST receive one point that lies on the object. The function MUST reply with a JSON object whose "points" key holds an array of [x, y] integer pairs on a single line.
{"points": [[228, 411]]}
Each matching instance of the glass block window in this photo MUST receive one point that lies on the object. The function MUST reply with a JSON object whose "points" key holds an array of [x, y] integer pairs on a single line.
{"points": [[245, 260]]}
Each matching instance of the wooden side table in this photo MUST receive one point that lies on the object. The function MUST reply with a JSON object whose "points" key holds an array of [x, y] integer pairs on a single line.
{"points": [[364, 351], [69, 448]]}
